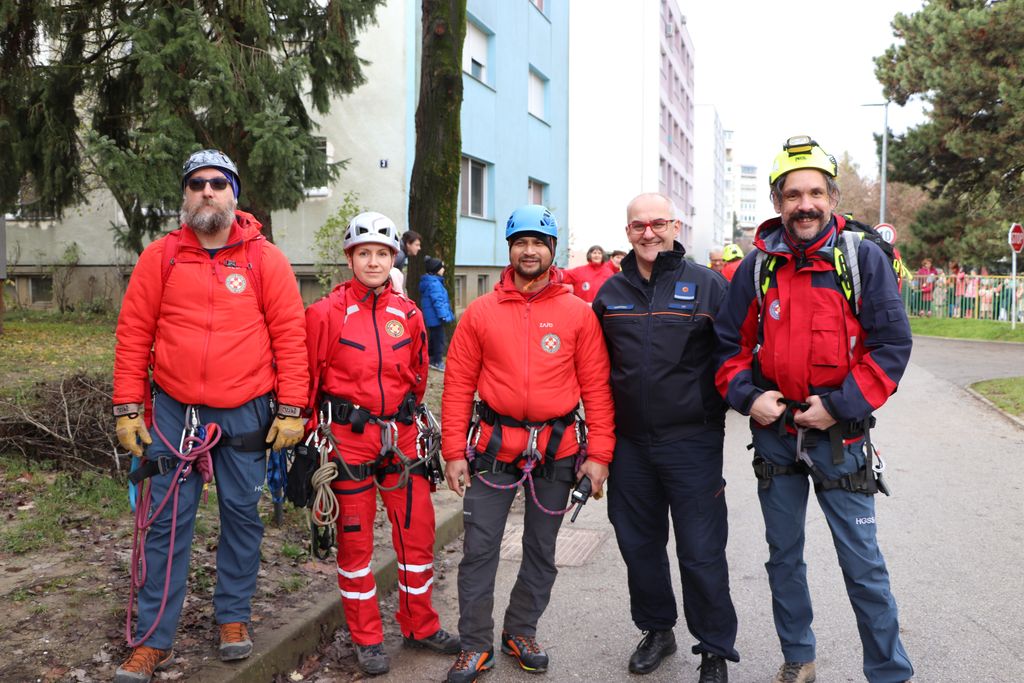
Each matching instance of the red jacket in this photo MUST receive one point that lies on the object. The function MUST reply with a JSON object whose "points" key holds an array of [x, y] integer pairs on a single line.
{"points": [[209, 341], [370, 349], [530, 357], [730, 269], [587, 279]]}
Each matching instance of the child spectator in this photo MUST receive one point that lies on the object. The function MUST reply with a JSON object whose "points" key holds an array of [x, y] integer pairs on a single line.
{"points": [[437, 310]]}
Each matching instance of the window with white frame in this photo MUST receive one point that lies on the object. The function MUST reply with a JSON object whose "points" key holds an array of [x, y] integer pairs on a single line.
{"points": [[474, 52], [537, 88], [535, 191], [473, 184], [324, 148]]}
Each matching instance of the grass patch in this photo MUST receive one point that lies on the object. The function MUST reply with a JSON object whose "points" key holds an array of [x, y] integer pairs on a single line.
{"points": [[959, 328], [292, 551], [292, 584], [1008, 394], [57, 500], [37, 348]]}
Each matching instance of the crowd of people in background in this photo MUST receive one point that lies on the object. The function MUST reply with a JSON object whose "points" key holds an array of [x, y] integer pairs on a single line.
{"points": [[962, 292]]}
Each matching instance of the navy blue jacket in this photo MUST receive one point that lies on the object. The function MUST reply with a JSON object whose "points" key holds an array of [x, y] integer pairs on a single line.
{"points": [[434, 301], [661, 340]]}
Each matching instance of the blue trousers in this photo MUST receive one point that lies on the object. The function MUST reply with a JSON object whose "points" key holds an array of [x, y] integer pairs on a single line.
{"points": [[851, 519], [239, 479], [647, 484]]}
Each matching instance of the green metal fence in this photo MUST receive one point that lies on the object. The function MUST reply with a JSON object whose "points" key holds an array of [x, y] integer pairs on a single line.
{"points": [[983, 297]]}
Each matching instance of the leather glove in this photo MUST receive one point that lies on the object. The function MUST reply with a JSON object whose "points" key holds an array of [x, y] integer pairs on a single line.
{"points": [[131, 431], [285, 432]]}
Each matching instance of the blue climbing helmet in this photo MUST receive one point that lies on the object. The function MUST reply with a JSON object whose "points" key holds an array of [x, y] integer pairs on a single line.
{"points": [[532, 218], [211, 158]]}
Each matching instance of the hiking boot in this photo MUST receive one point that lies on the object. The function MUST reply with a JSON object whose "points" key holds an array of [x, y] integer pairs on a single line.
{"points": [[437, 366], [468, 665], [795, 672], [372, 659], [442, 641], [712, 669], [525, 649], [141, 665], [235, 642], [655, 646]]}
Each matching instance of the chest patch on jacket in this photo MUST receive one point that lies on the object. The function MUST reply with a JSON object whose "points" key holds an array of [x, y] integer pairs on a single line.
{"points": [[550, 343], [394, 328], [235, 283], [775, 309], [685, 291], [620, 307]]}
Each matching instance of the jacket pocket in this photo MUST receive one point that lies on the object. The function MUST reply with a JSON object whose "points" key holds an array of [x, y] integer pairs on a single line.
{"points": [[825, 339]]}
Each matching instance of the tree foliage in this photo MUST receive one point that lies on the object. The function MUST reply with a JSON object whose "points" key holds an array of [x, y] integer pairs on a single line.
{"points": [[118, 93], [964, 59], [434, 185], [329, 242]]}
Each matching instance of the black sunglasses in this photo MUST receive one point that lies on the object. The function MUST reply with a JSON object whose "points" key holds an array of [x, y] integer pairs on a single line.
{"points": [[198, 184]]}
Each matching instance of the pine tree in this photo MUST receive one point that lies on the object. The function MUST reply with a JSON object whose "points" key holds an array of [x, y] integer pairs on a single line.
{"points": [[118, 93]]}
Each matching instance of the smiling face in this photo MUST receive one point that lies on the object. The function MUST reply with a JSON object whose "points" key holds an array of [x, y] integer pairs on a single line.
{"points": [[595, 256], [651, 228], [207, 210], [805, 204], [530, 258], [371, 264]]}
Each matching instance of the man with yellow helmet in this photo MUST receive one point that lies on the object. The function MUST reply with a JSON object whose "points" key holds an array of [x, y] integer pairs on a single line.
{"points": [[810, 366], [732, 255]]}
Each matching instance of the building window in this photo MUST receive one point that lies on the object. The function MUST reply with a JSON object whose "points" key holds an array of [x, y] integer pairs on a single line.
{"points": [[474, 188], [537, 92], [535, 191], [40, 289], [475, 51], [309, 289], [324, 149], [483, 284], [460, 291]]}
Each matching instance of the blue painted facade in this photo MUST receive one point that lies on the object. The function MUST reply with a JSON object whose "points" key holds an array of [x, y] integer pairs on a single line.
{"points": [[498, 129]]}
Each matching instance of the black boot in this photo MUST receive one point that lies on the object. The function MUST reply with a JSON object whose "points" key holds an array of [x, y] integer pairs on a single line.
{"points": [[655, 646], [712, 669]]}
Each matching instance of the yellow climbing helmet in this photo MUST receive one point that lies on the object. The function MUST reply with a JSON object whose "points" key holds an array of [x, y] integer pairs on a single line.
{"points": [[731, 252], [800, 151]]}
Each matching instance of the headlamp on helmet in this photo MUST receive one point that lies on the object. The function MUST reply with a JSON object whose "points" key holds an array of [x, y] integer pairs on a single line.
{"points": [[801, 151]]}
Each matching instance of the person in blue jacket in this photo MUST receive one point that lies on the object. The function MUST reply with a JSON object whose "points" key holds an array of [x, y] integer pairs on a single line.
{"points": [[437, 310]]}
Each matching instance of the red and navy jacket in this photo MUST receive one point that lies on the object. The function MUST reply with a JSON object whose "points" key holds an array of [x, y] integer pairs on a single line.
{"points": [[810, 341], [369, 349]]}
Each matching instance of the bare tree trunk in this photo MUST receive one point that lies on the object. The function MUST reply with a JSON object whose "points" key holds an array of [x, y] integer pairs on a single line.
{"points": [[434, 186]]}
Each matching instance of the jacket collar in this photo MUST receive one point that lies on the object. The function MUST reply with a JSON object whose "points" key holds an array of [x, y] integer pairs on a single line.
{"points": [[666, 260], [506, 286], [771, 237], [244, 228]]}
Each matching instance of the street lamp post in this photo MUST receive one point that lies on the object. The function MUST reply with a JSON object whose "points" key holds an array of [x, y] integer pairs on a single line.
{"points": [[885, 157]]}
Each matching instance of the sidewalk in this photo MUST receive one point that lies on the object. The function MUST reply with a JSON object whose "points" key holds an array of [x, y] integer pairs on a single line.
{"points": [[280, 650]]}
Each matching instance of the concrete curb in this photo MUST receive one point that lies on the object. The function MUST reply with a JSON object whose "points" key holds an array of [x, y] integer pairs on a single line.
{"points": [[993, 406], [281, 650]]}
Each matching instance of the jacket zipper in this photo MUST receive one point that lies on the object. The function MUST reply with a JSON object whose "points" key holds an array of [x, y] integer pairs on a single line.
{"points": [[380, 354]]}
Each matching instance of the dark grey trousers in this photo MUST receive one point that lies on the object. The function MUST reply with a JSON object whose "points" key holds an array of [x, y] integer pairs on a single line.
{"points": [[485, 511]]}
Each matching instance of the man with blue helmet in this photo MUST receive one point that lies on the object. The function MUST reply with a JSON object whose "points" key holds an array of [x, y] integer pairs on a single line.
{"points": [[531, 351]]}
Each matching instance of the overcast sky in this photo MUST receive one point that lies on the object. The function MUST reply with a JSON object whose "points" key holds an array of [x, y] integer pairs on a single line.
{"points": [[795, 67]]}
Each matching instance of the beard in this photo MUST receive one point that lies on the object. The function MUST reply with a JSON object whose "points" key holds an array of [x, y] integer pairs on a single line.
{"points": [[207, 217], [794, 230]]}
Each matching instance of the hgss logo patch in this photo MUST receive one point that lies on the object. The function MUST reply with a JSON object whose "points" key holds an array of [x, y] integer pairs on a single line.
{"points": [[550, 343], [236, 283], [775, 309], [394, 328]]}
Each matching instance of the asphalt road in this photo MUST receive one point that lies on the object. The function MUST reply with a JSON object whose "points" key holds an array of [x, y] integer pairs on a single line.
{"points": [[951, 533]]}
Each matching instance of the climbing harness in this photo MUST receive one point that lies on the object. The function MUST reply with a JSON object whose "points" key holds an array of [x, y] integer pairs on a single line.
{"points": [[193, 453], [867, 480], [530, 460]]}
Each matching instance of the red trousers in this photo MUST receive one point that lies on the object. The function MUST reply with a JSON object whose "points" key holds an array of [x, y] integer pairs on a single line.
{"points": [[411, 513]]}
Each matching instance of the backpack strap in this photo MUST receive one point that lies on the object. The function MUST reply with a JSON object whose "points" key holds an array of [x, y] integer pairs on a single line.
{"points": [[171, 244], [848, 266], [764, 266]]}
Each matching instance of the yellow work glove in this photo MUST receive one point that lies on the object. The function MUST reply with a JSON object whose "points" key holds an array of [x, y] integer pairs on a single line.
{"points": [[285, 432], [131, 430]]}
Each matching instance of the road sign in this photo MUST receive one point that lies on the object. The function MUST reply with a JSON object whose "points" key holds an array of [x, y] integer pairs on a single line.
{"points": [[887, 232], [1016, 237]]}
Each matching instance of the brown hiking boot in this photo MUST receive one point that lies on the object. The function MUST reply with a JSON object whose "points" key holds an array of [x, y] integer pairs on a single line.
{"points": [[796, 672], [141, 665], [234, 642]]}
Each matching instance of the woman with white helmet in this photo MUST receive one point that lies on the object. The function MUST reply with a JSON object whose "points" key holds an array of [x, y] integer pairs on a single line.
{"points": [[368, 362]]}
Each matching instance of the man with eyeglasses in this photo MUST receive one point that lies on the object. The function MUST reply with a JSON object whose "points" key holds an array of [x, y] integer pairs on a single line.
{"points": [[217, 309], [657, 317]]}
